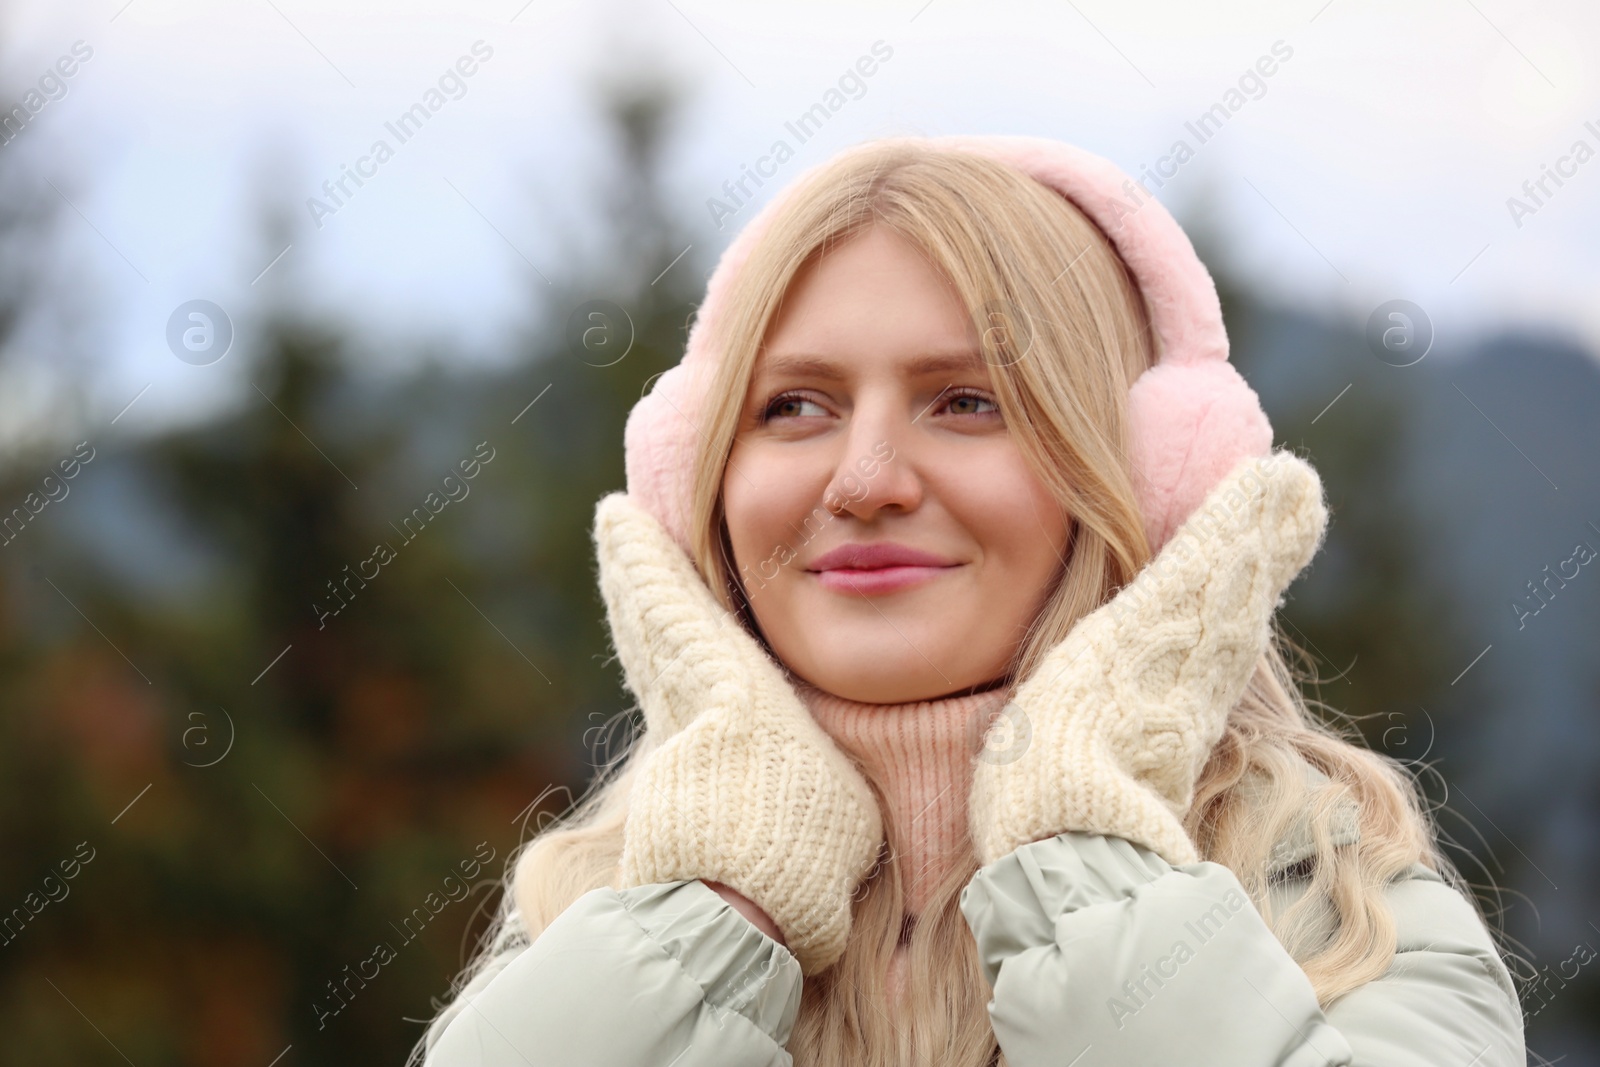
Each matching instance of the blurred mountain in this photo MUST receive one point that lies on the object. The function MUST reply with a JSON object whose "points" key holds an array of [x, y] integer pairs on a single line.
{"points": [[1454, 484]]}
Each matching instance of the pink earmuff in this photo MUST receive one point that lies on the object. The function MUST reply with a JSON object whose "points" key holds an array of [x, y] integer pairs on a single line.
{"points": [[1192, 416]]}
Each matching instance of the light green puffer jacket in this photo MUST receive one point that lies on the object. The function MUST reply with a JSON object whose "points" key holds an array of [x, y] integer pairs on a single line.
{"points": [[1097, 952]]}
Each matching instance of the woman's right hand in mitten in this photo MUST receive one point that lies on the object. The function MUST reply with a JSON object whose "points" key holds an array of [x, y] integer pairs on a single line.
{"points": [[743, 788]]}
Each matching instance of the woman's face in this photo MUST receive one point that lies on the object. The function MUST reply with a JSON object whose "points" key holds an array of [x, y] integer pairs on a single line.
{"points": [[871, 423]]}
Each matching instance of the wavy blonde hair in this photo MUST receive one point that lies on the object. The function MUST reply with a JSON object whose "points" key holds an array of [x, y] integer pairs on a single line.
{"points": [[1006, 242]]}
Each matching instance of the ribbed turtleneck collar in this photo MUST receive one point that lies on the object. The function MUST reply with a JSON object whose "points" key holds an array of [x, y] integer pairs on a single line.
{"points": [[920, 755]]}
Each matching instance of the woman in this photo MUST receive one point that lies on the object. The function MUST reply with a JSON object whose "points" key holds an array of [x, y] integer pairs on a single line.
{"points": [[944, 581]]}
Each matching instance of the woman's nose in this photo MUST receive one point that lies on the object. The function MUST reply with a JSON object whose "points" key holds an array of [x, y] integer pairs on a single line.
{"points": [[875, 469]]}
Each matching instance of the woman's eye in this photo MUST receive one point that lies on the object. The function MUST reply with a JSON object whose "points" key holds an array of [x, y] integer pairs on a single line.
{"points": [[788, 406], [792, 405], [966, 404]]}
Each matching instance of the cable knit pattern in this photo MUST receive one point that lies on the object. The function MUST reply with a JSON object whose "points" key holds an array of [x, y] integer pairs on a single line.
{"points": [[752, 785], [1122, 715], [746, 788]]}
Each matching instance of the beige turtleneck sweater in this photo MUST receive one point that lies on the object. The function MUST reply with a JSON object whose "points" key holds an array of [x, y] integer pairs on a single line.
{"points": [[921, 756]]}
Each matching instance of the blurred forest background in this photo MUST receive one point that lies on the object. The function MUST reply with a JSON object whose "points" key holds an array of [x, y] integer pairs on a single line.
{"points": [[266, 792]]}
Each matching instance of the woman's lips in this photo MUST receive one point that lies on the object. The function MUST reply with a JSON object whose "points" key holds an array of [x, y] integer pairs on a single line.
{"points": [[878, 579], [873, 567]]}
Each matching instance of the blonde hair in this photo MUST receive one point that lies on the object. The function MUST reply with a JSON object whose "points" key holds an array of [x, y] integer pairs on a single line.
{"points": [[1066, 333]]}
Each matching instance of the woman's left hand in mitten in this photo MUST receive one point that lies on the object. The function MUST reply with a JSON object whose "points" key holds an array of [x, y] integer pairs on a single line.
{"points": [[1121, 716]]}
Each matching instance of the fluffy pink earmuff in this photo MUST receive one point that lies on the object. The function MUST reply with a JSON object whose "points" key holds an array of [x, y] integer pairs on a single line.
{"points": [[1192, 416]]}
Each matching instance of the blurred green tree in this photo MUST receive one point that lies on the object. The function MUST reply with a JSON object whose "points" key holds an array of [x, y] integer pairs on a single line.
{"points": [[326, 732]]}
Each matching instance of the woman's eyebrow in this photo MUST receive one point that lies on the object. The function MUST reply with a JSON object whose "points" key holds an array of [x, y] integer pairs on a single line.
{"points": [[822, 367]]}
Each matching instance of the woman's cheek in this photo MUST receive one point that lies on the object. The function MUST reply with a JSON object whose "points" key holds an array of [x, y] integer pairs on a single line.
{"points": [[1012, 515], [754, 531], [765, 501]]}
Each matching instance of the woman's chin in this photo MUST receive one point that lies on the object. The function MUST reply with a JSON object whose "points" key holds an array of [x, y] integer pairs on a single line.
{"points": [[881, 679], [880, 652]]}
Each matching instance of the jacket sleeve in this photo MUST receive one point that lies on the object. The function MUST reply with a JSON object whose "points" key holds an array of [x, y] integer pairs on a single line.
{"points": [[652, 974], [1099, 952]]}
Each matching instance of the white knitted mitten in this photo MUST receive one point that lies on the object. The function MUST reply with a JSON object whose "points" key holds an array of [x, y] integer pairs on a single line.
{"points": [[1121, 715], [746, 789]]}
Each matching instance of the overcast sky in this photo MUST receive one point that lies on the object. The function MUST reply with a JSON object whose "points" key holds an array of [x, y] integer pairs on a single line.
{"points": [[1375, 162]]}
